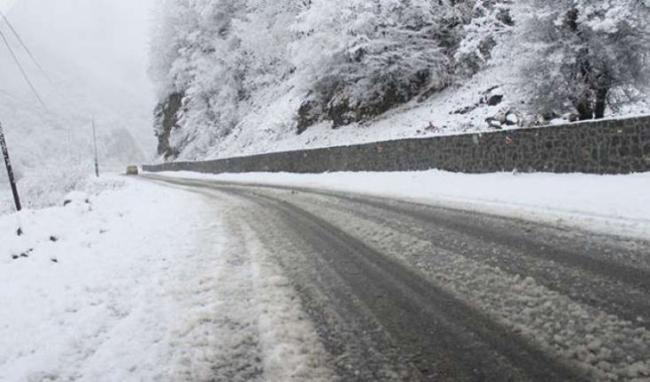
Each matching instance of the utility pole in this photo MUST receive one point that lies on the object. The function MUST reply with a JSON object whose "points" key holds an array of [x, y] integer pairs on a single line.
{"points": [[95, 145], [10, 171]]}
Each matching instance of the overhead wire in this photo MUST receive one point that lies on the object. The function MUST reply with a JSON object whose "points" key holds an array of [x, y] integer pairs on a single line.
{"points": [[25, 47], [26, 76], [28, 80], [45, 74], [22, 70]]}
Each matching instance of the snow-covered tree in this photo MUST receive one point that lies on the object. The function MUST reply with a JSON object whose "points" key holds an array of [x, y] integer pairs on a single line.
{"points": [[223, 66], [265, 33], [587, 54], [198, 62], [362, 57], [485, 23]]}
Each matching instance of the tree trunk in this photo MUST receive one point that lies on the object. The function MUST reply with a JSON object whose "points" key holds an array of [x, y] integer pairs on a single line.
{"points": [[585, 96], [601, 102], [584, 106]]}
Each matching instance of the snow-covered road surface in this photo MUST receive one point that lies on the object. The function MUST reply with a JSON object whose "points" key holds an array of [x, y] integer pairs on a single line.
{"points": [[403, 291], [610, 204], [167, 279]]}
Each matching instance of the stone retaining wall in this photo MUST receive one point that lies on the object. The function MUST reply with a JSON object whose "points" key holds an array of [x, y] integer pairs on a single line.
{"points": [[601, 147]]}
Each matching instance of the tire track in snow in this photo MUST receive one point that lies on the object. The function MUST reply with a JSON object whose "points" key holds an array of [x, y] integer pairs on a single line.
{"points": [[239, 357], [291, 349], [575, 330], [439, 335], [359, 347], [604, 292], [602, 343], [257, 332]]}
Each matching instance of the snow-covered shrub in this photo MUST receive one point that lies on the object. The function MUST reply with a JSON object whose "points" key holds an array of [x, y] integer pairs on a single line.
{"points": [[47, 187], [587, 55]]}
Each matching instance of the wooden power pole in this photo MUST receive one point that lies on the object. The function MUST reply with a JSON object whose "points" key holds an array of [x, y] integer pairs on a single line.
{"points": [[10, 171]]}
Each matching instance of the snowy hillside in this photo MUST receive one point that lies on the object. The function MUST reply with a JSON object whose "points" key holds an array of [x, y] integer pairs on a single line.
{"points": [[53, 154], [90, 63], [247, 77]]}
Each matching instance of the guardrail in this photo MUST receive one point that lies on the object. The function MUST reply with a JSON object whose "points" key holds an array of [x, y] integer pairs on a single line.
{"points": [[599, 147]]}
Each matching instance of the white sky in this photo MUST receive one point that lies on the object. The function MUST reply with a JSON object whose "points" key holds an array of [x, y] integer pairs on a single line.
{"points": [[5, 5], [97, 53]]}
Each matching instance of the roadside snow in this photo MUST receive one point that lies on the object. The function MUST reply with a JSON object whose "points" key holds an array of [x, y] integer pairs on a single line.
{"points": [[618, 205], [144, 282], [6, 203]]}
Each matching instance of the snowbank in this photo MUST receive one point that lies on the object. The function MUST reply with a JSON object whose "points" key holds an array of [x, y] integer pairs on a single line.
{"points": [[48, 186], [617, 205], [74, 277]]}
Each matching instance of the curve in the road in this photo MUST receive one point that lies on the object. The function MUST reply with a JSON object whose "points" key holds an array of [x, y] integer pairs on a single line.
{"points": [[407, 319]]}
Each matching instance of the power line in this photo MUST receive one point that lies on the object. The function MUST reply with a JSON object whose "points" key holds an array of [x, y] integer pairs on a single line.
{"points": [[22, 43], [22, 70], [44, 73], [33, 58], [62, 116]]}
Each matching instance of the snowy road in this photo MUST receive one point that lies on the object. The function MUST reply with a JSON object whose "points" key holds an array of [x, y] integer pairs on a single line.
{"points": [[401, 291]]}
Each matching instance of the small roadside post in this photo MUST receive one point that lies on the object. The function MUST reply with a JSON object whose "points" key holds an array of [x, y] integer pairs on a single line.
{"points": [[10, 171], [95, 147]]}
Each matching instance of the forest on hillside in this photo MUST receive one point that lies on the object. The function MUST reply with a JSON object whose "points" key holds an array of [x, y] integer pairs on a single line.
{"points": [[233, 76]]}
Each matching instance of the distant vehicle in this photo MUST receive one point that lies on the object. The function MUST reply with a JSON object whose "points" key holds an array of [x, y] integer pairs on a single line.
{"points": [[132, 170]]}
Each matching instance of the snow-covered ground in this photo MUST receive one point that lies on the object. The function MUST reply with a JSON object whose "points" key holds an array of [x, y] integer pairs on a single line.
{"points": [[134, 281], [617, 205], [5, 199]]}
